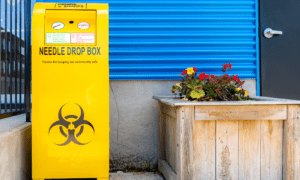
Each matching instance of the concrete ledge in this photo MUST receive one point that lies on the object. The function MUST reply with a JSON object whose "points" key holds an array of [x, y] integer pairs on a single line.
{"points": [[259, 100], [135, 176], [15, 148]]}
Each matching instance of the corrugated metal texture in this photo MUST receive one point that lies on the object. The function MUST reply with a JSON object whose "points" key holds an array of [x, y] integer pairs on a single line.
{"points": [[159, 39]]}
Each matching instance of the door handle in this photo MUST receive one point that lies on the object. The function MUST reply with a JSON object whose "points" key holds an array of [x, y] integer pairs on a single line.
{"points": [[268, 33]]}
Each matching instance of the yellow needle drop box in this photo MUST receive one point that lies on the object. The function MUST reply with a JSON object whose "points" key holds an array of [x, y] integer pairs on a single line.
{"points": [[70, 91]]}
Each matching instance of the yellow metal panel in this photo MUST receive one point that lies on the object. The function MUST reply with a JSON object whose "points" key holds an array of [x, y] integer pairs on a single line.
{"points": [[70, 19], [70, 95]]}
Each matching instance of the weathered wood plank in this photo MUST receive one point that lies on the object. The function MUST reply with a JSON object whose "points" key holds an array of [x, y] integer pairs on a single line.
{"points": [[167, 171], [291, 145], [171, 141], [271, 150], [187, 151], [167, 142], [249, 149], [288, 144], [161, 141], [174, 143], [204, 149], [179, 160], [297, 144], [184, 159], [169, 110], [227, 150], [260, 112]]}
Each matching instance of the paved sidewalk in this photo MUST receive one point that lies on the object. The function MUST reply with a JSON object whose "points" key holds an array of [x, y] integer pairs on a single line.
{"points": [[135, 176]]}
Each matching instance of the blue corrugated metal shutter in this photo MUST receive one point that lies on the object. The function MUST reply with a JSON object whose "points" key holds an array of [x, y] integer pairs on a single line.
{"points": [[159, 39]]}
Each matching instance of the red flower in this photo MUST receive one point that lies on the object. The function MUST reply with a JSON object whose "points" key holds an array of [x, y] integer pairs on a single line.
{"points": [[225, 76], [217, 91], [195, 69], [202, 76], [213, 76], [184, 72], [206, 76], [225, 66], [235, 78], [241, 83]]}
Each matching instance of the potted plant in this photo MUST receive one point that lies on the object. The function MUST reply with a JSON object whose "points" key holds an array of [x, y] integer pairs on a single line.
{"points": [[216, 131]]}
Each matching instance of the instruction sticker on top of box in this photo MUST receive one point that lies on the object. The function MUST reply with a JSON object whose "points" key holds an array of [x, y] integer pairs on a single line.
{"points": [[70, 38]]}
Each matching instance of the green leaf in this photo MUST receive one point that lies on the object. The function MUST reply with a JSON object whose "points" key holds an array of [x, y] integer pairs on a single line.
{"points": [[199, 83], [231, 87], [188, 92], [174, 88], [183, 91], [189, 85], [194, 81], [196, 94], [212, 93]]}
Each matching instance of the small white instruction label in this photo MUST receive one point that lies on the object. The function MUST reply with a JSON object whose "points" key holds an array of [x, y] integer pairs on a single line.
{"points": [[83, 38], [58, 38]]}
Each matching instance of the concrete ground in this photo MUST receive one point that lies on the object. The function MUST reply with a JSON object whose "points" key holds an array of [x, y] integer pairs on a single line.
{"points": [[135, 176]]}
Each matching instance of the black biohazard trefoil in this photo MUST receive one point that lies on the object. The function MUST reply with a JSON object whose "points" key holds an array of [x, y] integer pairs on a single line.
{"points": [[71, 129]]}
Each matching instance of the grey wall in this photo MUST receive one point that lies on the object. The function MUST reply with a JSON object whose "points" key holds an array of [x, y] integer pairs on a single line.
{"points": [[15, 148], [134, 121]]}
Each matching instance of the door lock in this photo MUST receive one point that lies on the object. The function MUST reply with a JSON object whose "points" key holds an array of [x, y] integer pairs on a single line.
{"points": [[268, 33]]}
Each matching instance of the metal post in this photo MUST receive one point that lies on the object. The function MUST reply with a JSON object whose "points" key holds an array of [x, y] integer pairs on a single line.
{"points": [[6, 50], [20, 57], [15, 60], [10, 57], [0, 58], [27, 58]]}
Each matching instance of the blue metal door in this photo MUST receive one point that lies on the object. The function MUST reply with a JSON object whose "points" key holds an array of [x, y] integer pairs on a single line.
{"points": [[280, 75]]}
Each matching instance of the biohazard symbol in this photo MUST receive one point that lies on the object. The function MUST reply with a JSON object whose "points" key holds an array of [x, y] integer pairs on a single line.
{"points": [[71, 126]]}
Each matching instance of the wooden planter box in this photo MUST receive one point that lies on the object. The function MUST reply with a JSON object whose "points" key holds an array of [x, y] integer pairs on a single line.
{"points": [[229, 140]]}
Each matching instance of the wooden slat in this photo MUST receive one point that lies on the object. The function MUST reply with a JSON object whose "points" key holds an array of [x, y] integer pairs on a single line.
{"points": [[169, 110], [204, 148], [262, 112], [249, 149], [291, 161], [297, 145], [185, 120], [171, 141], [167, 171], [187, 153], [179, 157], [167, 142], [288, 144], [227, 150], [161, 141], [174, 143], [271, 150]]}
